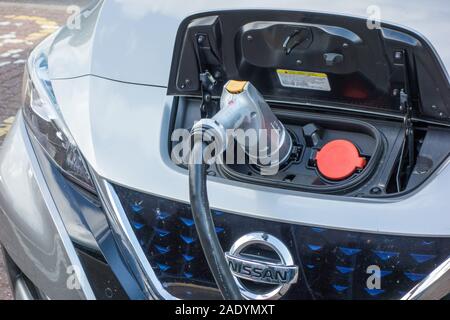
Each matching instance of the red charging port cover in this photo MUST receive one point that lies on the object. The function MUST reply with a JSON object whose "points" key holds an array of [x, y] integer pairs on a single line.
{"points": [[339, 159]]}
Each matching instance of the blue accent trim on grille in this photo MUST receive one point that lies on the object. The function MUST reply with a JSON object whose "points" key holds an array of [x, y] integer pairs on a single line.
{"points": [[384, 273], [219, 229], [137, 207], [421, 258], [415, 276], [162, 250], [187, 222], [186, 239], [188, 258], [314, 247], [138, 225], [374, 292], [161, 215], [339, 288], [161, 233], [163, 267], [349, 251], [385, 255], [344, 270]]}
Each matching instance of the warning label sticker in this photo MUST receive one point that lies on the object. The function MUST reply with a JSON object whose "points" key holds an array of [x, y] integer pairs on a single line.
{"points": [[304, 80]]}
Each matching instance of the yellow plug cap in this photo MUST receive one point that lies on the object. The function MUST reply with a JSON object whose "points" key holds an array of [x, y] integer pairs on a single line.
{"points": [[235, 86]]}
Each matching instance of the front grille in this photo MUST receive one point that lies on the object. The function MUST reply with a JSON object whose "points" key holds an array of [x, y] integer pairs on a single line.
{"points": [[333, 264]]}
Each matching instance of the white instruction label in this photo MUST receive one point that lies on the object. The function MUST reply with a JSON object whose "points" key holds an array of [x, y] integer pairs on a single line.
{"points": [[304, 80]]}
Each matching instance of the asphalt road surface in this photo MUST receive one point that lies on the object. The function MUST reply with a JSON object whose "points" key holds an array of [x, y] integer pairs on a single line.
{"points": [[23, 24]]}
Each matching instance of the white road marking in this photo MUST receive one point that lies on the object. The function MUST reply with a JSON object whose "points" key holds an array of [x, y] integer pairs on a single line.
{"points": [[46, 27], [11, 52], [6, 125], [13, 41], [11, 35]]}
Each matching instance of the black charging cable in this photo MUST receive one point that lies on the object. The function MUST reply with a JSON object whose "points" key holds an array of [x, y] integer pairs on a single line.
{"points": [[205, 225]]}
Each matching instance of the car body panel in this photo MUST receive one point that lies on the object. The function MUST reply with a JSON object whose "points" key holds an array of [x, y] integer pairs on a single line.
{"points": [[143, 33], [99, 111], [31, 229]]}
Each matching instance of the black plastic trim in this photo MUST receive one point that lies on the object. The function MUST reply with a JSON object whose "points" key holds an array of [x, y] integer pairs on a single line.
{"points": [[339, 188]]}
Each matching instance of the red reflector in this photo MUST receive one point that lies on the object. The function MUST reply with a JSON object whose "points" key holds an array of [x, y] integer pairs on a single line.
{"points": [[339, 159]]}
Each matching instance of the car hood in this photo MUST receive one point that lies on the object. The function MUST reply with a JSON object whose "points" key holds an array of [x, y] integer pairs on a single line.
{"points": [[132, 40]]}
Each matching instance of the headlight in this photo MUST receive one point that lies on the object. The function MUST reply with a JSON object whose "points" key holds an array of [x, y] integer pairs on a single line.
{"points": [[44, 120]]}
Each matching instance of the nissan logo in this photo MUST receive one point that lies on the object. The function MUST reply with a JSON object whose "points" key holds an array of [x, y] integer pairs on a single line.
{"points": [[262, 266]]}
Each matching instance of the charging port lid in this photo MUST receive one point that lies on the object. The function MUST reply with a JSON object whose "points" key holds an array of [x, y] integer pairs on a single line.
{"points": [[339, 159]]}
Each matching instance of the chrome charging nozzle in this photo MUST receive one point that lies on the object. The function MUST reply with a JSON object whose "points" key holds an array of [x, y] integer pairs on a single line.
{"points": [[246, 116]]}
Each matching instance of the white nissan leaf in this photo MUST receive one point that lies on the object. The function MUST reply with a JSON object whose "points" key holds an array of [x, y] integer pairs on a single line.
{"points": [[233, 150]]}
